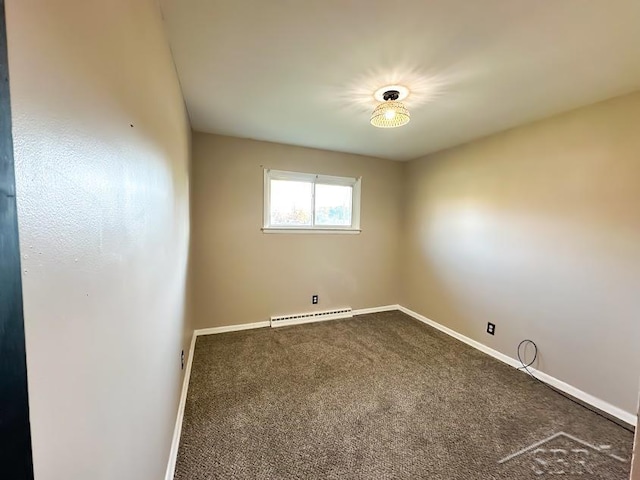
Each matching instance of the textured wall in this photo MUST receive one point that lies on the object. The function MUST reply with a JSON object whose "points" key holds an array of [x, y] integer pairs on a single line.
{"points": [[537, 230], [102, 146], [242, 275]]}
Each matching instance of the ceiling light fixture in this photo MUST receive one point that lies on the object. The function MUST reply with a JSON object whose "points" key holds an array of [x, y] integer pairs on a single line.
{"points": [[391, 113]]}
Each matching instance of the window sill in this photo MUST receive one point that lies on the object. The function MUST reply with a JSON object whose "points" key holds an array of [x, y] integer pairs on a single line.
{"points": [[342, 231]]}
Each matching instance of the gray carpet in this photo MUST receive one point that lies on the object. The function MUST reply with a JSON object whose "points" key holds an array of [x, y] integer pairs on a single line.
{"points": [[380, 396]]}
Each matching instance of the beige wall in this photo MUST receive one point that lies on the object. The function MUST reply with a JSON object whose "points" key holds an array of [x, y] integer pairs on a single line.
{"points": [[242, 275], [537, 230], [102, 144]]}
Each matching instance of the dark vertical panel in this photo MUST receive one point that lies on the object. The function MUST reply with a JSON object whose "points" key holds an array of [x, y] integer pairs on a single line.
{"points": [[15, 435]]}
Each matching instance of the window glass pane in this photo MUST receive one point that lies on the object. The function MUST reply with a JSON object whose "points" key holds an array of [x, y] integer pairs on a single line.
{"points": [[291, 203], [333, 205]]}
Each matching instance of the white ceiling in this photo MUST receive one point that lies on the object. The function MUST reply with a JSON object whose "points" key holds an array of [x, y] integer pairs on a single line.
{"points": [[303, 72]]}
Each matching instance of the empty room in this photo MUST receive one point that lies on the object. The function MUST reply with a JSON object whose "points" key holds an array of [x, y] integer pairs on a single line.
{"points": [[321, 239]]}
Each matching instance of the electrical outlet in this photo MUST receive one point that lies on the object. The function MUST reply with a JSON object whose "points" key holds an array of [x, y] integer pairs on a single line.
{"points": [[182, 360], [491, 328], [314, 299]]}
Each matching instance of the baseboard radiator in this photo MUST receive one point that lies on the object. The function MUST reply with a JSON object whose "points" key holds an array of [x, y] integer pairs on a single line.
{"points": [[297, 318]]}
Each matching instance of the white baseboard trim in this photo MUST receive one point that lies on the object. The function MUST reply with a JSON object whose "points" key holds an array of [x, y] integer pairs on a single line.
{"points": [[384, 308], [338, 316], [177, 431], [231, 328], [301, 321], [266, 323], [623, 415]]}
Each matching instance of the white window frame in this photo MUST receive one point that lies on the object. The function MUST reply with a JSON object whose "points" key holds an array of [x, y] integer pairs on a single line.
{"points": [[354, 183]]}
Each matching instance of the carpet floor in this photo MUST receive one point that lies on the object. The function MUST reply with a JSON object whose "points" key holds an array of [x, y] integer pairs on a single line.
{"points": [[380, 396]]}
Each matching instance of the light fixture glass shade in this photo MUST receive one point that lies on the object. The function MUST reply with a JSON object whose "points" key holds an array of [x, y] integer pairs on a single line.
{"points": [[390, 114]]}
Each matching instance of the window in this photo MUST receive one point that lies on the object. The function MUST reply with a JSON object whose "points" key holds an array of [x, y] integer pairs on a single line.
{"points": [[304, 202]]}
